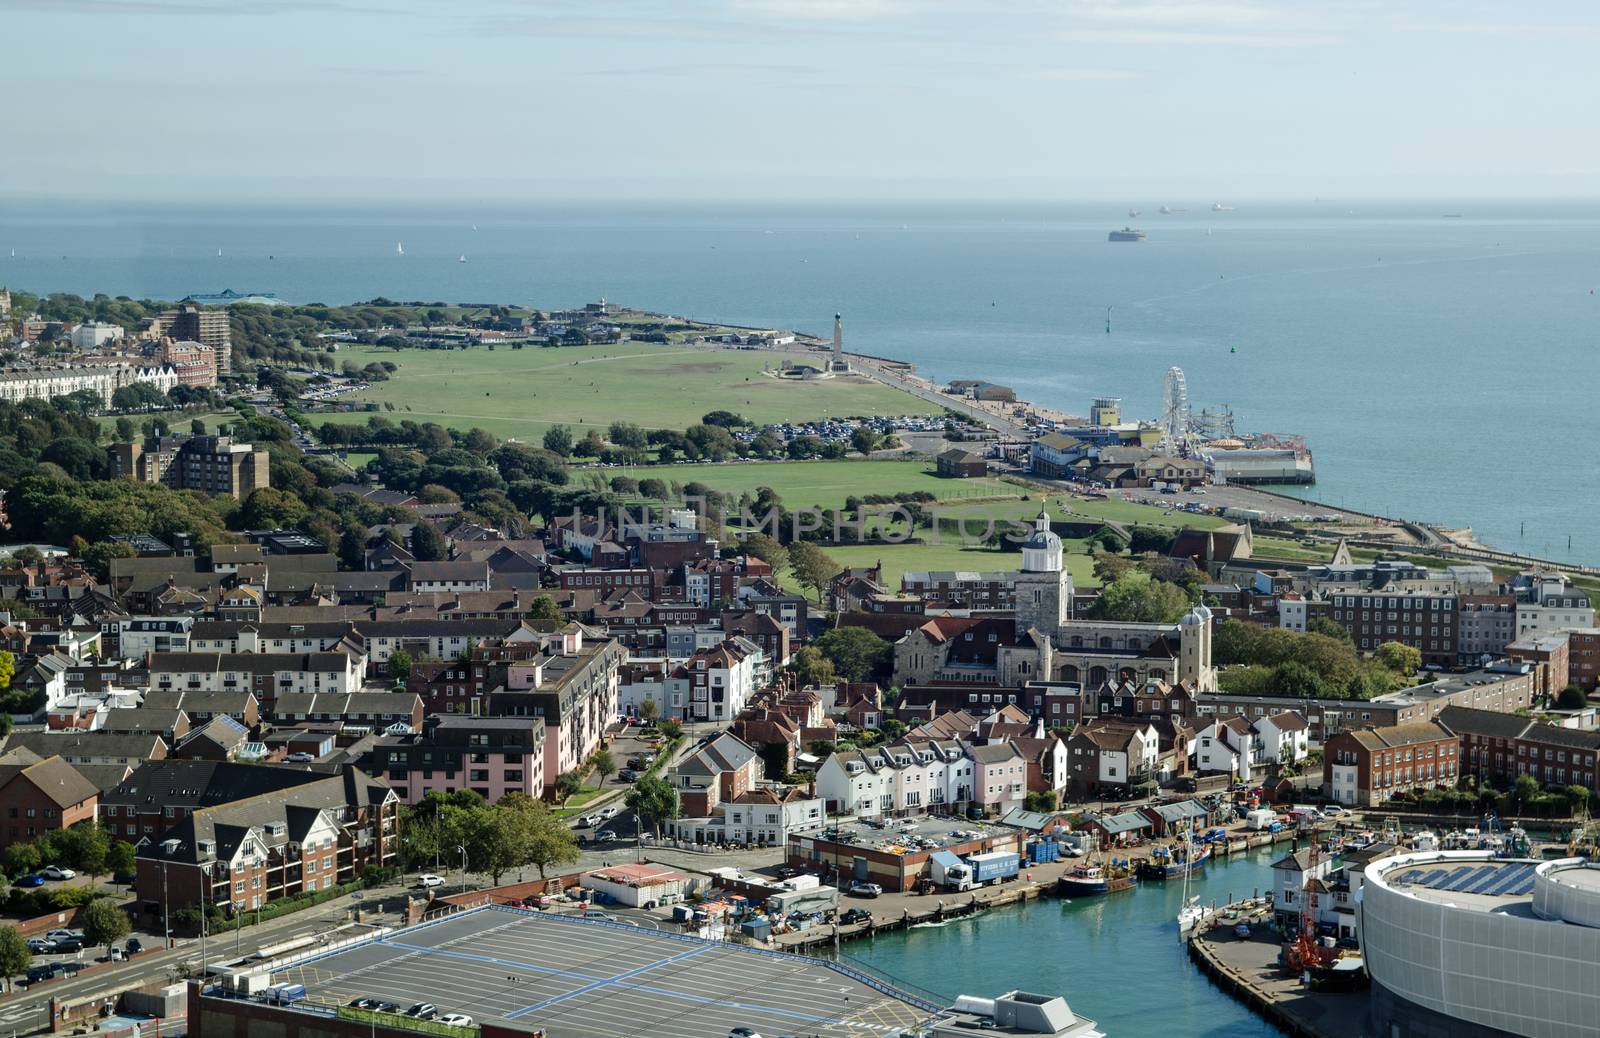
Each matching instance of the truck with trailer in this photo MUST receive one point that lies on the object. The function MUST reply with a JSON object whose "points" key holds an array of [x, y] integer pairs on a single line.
{"points": [[993, 866]]}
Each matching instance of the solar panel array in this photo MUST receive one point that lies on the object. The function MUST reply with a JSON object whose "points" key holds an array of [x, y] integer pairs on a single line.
{"points": [[1501, 879]]}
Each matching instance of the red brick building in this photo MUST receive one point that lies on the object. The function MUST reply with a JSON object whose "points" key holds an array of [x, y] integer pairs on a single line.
{"points": [[1498, 747], [40, 795], [1369, 766], [1583, 657]]}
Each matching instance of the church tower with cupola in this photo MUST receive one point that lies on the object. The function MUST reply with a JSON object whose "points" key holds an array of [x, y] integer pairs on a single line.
{"points": [[1044, 587]]}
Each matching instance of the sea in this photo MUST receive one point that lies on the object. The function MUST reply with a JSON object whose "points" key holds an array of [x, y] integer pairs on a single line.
{"points": [[1116, 959], [1439, 359]]}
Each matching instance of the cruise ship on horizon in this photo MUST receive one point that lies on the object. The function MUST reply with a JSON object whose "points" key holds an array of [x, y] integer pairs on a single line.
{"points": [[1126, 234]]}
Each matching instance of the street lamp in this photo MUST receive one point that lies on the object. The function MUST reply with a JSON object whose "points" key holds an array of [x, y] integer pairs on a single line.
{"points": [[205, 909], [463, 849]]}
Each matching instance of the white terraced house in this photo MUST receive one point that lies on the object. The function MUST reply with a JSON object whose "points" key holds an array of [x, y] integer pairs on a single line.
{"points": [[905, 777]]}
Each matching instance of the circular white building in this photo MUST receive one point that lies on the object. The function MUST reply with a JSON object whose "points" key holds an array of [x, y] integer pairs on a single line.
{"points": [[1463, 945]]}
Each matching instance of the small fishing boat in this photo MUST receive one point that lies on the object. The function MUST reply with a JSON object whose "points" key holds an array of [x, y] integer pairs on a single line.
{"points": [[1091, 880], [1170, 864]]}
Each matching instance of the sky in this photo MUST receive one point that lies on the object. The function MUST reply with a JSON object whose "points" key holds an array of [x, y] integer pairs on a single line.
{"points": [[705, 100]]}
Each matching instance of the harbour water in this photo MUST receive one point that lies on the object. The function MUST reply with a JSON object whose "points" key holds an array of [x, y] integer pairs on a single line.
{"points": [[1439, 368], [1117, 959]]}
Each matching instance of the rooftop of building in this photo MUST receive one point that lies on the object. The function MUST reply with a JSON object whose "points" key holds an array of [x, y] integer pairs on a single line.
{"points": [[577, 977], [908, 835]]}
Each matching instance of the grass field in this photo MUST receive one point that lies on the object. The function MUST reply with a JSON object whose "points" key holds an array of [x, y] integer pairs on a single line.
{"points": [[520, 393], [898, 558], [826, 484], [178, 421]]}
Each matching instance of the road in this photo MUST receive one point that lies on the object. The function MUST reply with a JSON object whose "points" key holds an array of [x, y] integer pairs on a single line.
{"points": [[27, 1008]]}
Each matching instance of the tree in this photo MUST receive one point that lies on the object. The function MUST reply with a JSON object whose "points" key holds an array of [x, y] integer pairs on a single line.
{"points": [[8, 668], [104, 923], [670, 729], [1399, 657], [427, 543], [768, 550], [1332, 628], [864, 439], [649, 710], [653, 799], [543, 607], [121, 859], [812, 566], [726, 419], [90, 849], [1572, 698], [558, 439], [1108, 569], [1138, 598], [1041, 800], [400, 664], [855, 652], [15, 958], [22, 858], [811, 667], [568, 784], [603, 763], [546, 841]]}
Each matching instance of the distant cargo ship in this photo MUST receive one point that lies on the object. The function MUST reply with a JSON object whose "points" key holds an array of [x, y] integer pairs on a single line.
{"points": [[1218, 207], [1126, 234]]}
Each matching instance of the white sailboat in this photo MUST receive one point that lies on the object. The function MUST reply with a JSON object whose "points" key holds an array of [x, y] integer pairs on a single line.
{"points": [[1190, 914], [462, 258], [399, 248]]}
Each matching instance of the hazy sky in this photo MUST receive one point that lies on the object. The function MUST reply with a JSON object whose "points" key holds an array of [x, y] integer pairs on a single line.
{"points": [[798, 99]]}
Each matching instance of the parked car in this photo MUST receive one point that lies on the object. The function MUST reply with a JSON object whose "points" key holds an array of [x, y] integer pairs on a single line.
{"points": [[391, 1008], [62, 935], [134, 946], [1335, 811], [300, 758], [69, 944], [854, 915], [41, 945], [609, 811], [605, 836], [456, 1020], [628, 775], [423, 1011], [864, 890], [57, 872], [363, 1003], [428, 880], [787, 871], [743, 1032], [32, 879]]}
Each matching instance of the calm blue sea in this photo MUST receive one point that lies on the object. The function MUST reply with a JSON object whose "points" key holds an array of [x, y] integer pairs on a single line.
{"points": [[1440, 368], [1116, 958]]}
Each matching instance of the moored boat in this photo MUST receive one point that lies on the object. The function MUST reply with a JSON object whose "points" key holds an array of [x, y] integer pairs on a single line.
{"points": [[1089, 880], [1168, 864]]}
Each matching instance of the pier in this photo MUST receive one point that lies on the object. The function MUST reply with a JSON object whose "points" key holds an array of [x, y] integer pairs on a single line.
{"points": [[1247, 969]]}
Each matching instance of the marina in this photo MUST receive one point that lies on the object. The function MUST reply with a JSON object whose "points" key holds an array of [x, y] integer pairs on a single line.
{"points": [[1116, 957]]}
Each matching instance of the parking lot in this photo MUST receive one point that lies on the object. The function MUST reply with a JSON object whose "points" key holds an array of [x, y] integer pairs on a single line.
{"points": [[594, 979]]}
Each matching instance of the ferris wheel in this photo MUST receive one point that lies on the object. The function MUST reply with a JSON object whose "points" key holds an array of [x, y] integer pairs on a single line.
{"points": [[1175, 399]]}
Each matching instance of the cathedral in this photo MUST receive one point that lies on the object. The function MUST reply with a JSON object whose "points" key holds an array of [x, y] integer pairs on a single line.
{"points": [[1044, 643]]}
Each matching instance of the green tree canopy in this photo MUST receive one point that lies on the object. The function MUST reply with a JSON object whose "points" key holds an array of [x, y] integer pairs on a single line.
{"points": [[1139, 598], [654, 800], [104, 923], [813, 567], [855, 652], [15, 958]]}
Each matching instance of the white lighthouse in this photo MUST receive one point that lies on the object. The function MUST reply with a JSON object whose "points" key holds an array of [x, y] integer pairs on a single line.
{"points": [[839, 363]]}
